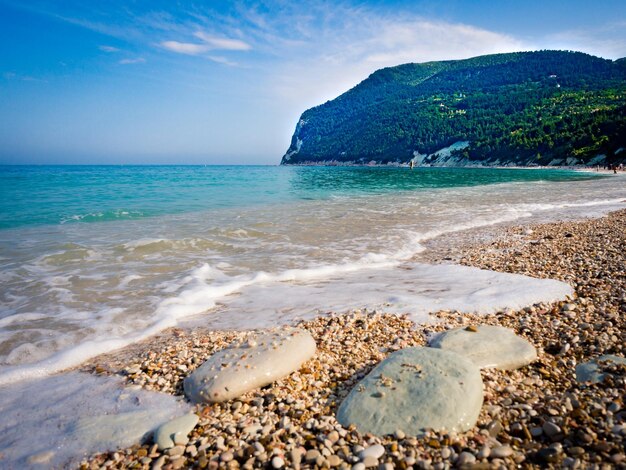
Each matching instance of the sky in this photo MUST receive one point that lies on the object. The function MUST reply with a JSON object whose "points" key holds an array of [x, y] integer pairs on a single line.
{"points": [[224, 82]]}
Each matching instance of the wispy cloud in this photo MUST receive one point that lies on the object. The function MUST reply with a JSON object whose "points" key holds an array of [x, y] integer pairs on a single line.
{"points": [[209, 43], [336, 48], [608, 41], [108, 49], [184, 47], [222, 44], [222, 60], [138, 60], [22, 78]]}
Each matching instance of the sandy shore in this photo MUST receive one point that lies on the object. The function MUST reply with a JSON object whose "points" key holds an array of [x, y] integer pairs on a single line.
{"points": [[536, 416]]}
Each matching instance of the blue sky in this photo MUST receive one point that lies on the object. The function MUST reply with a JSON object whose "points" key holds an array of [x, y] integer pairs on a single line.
{"points": [[220, 82]]}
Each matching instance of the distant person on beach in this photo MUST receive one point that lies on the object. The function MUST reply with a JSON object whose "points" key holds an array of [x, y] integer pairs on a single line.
{"points": [[411, 164]]}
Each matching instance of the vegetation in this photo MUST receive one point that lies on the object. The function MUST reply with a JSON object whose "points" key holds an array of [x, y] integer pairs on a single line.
{"points": [[520, 108]]}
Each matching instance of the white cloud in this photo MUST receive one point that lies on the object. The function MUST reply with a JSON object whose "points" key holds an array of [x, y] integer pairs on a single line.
{"points": [[608, 42], [224, 44], [138, 60], [209, 43], [357, 42], [222, 60], [184, 47], [108, 49]]}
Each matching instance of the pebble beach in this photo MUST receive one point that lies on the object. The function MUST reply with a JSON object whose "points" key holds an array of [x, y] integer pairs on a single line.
{"points": [[536, 416]]}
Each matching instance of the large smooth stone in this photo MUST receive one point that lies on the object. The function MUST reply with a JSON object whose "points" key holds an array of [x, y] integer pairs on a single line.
{"points": [[164, 436], [416, 389], [590, 371], [488, 346], [242, 367]]}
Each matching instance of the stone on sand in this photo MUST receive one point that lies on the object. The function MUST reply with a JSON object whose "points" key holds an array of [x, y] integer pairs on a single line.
{"points": [[108, 430], [242, 367], [164, 436], [590, 371], [488, 346], [416, 389]]}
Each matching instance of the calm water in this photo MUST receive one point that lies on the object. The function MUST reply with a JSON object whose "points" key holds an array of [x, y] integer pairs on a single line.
{"points": [[34, 195], [93, 258]]}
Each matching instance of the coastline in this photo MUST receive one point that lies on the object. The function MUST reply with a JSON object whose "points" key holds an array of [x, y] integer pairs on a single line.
{"points": [[296, 414]]}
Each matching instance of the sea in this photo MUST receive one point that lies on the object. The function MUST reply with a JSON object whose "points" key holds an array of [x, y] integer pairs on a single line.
{"points": [[93, 258]]}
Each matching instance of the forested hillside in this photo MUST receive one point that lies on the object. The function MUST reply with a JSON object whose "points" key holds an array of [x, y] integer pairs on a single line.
{"points": [[546, 107]]}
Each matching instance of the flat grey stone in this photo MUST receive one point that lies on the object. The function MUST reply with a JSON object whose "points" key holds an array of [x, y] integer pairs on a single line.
{"points": [[488, 346], [416, 389], [590, 371], [164, 436], [242, 367]]}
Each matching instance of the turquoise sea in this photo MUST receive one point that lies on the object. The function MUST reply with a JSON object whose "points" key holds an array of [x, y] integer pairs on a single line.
{"points": [[36, 195], [96, 257]]}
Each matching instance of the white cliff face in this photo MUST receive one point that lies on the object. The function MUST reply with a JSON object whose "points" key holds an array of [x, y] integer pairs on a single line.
{"points": [[291, 152], [447, 156]]}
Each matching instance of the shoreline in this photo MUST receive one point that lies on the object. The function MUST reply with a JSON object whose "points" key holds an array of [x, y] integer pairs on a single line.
{"points": [[588, 254]]}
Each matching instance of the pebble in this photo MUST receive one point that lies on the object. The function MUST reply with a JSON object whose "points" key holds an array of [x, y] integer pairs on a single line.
{"points": [[551, 429], [484, 452], [548, 455], [278, 462], [502, 451], [175, 451], [494, 428], [312, 455], [370, 461], [466, 458], [618, 458], [376, 451], [334, 460]]}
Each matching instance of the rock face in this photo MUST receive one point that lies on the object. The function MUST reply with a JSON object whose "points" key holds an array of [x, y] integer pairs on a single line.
{"points": [[590, 371], [415, 389], [242, 367], [488, 346]]}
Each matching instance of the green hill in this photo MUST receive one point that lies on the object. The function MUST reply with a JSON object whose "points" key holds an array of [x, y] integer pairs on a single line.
{"points": [[526, 108]]}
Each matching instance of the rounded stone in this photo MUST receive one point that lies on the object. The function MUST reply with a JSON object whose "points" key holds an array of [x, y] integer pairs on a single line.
{"points": [[375, 451], [175, 430], [591, 372], [278, 462], [466, 458], [488, 346], [424, 388], [501, 452], [237, 369]]}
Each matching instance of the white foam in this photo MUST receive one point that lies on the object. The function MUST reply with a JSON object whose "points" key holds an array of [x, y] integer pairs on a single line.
{"points": [[413, 288], [60, 414]]}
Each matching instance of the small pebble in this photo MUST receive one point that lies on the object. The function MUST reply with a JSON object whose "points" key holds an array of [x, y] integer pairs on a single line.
{"points": [[501, 452], [376, 451], [466, 458], [551, 429], [278, 462]]}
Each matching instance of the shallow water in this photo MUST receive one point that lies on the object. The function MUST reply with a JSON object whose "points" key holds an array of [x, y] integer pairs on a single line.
{"points": [[94, 258]]}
